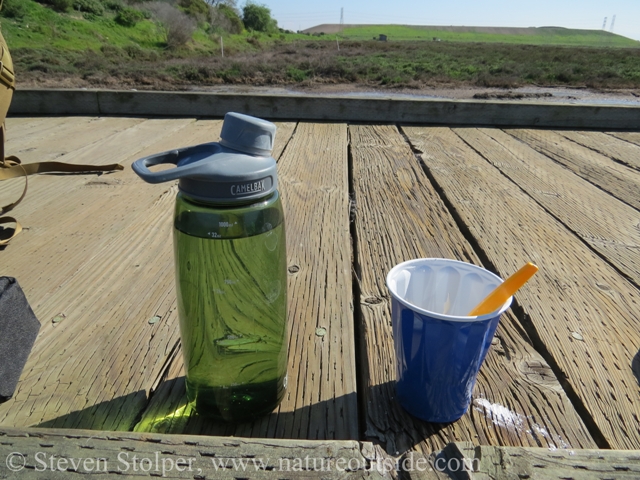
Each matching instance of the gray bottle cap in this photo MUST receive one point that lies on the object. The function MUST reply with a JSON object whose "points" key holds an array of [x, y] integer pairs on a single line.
{"points": [[247, 134], [239, 169]]}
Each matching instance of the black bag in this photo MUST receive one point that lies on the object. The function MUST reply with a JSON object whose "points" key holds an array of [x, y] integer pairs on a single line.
{"points": [[19, 328]]}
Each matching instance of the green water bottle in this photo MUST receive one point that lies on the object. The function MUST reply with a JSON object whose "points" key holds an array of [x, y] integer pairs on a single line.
{"points": [[230, 259]]}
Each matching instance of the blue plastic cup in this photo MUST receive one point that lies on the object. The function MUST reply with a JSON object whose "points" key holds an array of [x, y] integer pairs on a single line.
{"points": [[439, 349]]}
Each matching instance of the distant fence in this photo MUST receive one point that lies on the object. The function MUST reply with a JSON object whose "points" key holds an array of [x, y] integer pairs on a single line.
{"points": [[320, 107]]}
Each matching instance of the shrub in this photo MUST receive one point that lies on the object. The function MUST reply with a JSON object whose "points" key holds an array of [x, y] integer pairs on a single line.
{"points": [[226, 18], [129, 17], [113, 5], [89, 61], [13, 9], [59, 5], [258, 17], [93, 7], [254, 40], [176, 27], [296, 74], [136, 53], [112, 52], [198, 9]]}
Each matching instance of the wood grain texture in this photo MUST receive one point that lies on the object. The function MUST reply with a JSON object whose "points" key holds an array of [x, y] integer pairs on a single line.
{"points": [[469, 461], [52, 138], [400, 216], [620, 181], [71, 200], [98, 257], [71, 217], [577, 308], [609, 226], [118, 146], [631, 137], [608, 145], [114, 454], [321, 399]]}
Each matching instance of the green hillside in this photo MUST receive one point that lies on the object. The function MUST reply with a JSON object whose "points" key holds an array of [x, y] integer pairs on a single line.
{"points": [[179, 44], [523, 36], [40, 26]]}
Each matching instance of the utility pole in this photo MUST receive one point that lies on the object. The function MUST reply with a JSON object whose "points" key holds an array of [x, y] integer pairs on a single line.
{"points": [[613, 20], [341, 26], [604, 24]]}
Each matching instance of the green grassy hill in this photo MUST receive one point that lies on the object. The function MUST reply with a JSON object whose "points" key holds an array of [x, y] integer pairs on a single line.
{"points": [[40, 26], [524, 36], [91, 43], [91, 46]]}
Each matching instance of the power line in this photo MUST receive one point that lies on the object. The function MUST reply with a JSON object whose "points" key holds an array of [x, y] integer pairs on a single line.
{"points": [[613, 21]]}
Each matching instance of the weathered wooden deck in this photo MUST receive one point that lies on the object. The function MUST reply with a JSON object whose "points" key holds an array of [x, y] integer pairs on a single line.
{"points": [[96, 263]]}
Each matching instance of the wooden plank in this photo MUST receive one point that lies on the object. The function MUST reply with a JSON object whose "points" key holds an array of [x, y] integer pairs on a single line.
{"points": [[25, 129], [631, 137], [126, 144], [99, 266], [578, 310], [478, 462], [103, 141], [609, 226], [54, 141], [608, 145], [620, 181], [63, 210], [323, 107], [321, 398], [59, 453], [400, 216], [62, 262]]}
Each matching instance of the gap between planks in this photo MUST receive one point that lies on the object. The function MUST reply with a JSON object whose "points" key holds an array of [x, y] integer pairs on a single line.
{"points": [[601, 220], [321, 399], [399, 216], [578, 309]]}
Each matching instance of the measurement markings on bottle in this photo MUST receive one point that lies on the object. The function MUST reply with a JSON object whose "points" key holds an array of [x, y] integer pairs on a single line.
{"points": [[214, 234], [226, 224]]}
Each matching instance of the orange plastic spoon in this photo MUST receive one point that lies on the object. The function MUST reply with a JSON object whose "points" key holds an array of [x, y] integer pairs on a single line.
{"points": [[502, 292]]}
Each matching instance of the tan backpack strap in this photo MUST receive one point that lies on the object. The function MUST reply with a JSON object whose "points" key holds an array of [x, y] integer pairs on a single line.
{"points": [[7, 75], [11, 167], [16, 230], [7, 86], [7, 164]]}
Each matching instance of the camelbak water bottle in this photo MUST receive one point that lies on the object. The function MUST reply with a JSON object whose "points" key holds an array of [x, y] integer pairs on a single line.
{"points": [[230, 260]]}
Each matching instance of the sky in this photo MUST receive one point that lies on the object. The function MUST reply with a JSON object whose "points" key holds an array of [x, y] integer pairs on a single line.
{"points": [[584, 14]]}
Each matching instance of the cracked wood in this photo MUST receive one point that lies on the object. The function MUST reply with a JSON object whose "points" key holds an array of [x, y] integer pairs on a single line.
{"points": [[400, 216], [578, 309]]}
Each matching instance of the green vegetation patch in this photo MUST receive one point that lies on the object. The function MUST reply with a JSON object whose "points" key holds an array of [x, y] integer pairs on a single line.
{"points": [[528, 36], [164, 45]]}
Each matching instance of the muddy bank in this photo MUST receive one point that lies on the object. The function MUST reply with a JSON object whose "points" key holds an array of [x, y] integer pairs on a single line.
{"points": [[452, 92], [522, 94]]}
